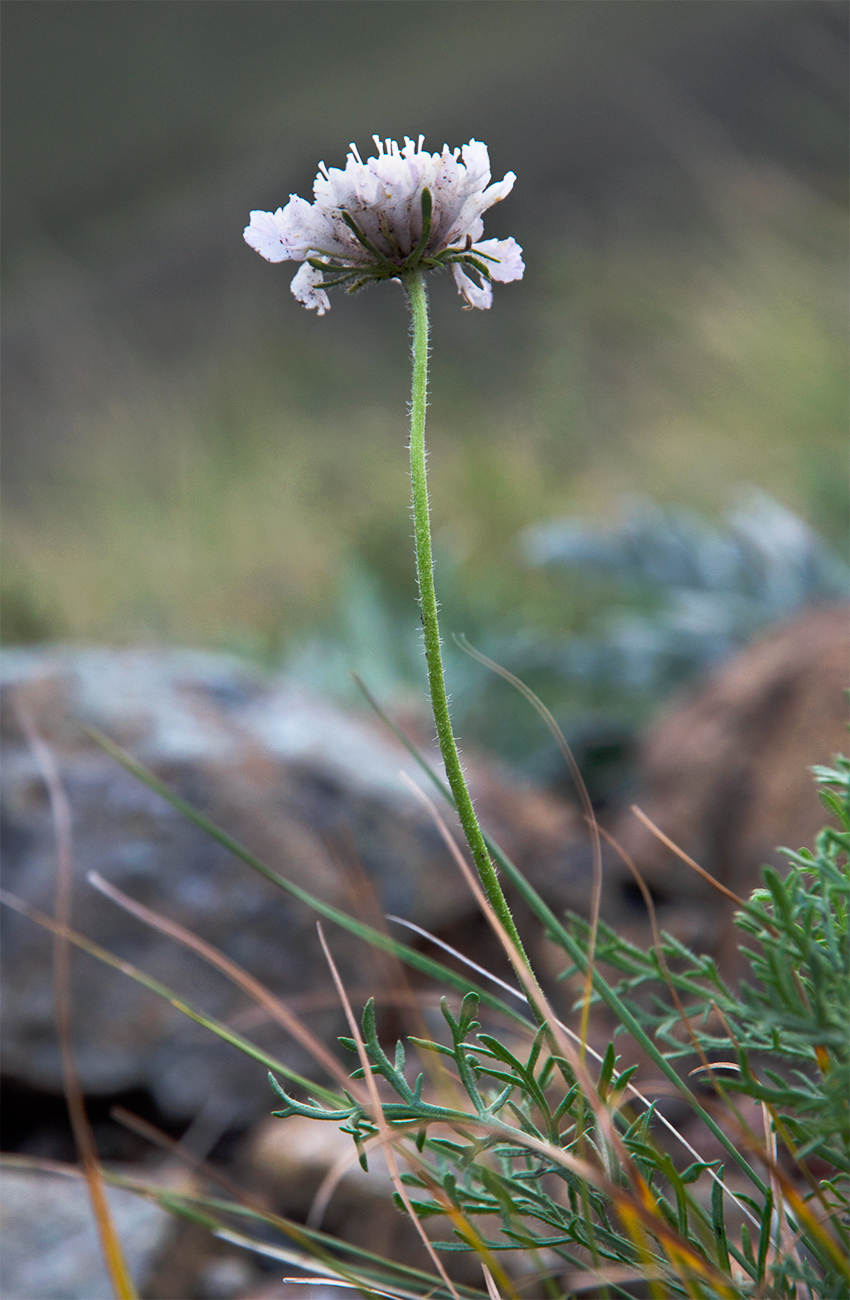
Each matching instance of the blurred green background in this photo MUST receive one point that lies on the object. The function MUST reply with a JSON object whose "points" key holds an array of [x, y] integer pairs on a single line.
{"points": [[191, 457]]}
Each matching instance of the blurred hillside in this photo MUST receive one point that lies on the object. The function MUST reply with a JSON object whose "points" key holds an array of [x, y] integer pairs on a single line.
{"points": [[191, 457]]}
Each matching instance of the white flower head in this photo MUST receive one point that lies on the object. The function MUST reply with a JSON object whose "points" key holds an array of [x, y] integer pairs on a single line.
{"points": [[398, 212]]}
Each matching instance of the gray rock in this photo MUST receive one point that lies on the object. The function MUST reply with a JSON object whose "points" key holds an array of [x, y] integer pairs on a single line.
{"points": [[313, 791], [51, 1249]]}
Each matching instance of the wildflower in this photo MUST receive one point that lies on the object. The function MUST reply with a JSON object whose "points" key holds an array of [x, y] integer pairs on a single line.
{"points": [[394, 214]]}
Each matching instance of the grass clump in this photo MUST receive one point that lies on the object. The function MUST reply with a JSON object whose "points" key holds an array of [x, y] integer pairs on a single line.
{"points": [[570, 1170], [703, 1152]]}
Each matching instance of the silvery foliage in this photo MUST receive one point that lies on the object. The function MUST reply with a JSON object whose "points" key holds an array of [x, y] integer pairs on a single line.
{"points": [[708, 588]]}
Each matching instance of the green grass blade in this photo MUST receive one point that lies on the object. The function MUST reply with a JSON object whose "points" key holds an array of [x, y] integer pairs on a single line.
{"points": [[180, 1004], [376, 938], [718, 1221]]}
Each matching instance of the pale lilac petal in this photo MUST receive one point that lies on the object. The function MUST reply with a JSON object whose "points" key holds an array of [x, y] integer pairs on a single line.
{"points": [[294, 232], [474, 295], [474, 231], [508, 264], [478, 203], [476, 160], [308, 228], [266, 234], [305, 286]]}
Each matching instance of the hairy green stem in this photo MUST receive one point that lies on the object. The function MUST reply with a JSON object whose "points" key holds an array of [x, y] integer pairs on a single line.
{"points": [[414, 284]]}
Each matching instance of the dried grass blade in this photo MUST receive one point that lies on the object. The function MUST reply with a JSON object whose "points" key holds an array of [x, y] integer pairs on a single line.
{"points": [[247, 982], [378, 1114], [683, 856], [589, 814], [161, 990], [410, 956], [348, 1286], [113, 1254], [492, 1290]]}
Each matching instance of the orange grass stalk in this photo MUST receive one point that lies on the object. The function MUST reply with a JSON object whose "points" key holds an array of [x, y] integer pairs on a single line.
{"points": [[113, 1254]]}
